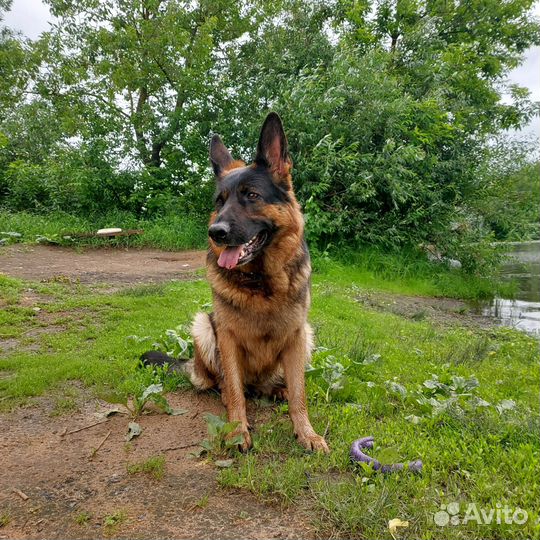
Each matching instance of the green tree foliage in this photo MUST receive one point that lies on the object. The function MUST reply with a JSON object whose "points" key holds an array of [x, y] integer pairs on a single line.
{"points": [[12, 59], [509, 202], [391, 109], [138, 74]]}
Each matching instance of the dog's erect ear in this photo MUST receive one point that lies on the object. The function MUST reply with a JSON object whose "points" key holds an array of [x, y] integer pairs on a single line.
{"points": [[219, 155], [273, 150]]}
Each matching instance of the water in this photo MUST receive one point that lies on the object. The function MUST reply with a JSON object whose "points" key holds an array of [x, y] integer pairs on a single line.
{"points": [[522, 312]]}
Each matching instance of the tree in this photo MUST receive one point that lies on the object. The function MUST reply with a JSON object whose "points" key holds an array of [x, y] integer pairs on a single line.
{"points": [[138, 72], [15, 70], [459, 51]]}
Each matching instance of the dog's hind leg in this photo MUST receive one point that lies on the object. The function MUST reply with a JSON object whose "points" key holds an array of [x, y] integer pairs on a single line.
{"points": [[205, 370]]}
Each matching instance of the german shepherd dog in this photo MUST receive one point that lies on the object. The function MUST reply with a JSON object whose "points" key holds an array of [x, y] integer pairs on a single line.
{"points": [[259, 271]]}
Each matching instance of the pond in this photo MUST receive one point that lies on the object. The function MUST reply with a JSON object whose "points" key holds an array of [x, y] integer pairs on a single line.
{"points": [[523, 311]]}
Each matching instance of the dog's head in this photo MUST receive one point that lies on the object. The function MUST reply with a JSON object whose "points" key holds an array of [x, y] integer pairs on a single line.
{"points": [[248, 199]]}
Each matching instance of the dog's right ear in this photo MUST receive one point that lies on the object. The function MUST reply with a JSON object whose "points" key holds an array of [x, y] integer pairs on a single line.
{"points": [[220, 157]]}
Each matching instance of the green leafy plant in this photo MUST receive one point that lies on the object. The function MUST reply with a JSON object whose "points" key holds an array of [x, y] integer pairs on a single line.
{"points": [[153, 466], [175, 342], [328, 370], [222, 441], [111, 521], [150, 394], [82, 518], [436, 397], [149, 384]]}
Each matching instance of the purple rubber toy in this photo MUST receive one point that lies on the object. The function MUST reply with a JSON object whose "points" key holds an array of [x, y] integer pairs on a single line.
{"points": [[357, 454]]}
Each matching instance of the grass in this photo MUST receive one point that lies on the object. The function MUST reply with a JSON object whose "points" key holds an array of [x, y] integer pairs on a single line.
{"points": [[112, 521], [203, 501], [404, 381], [407, 272], [5, 519], [170, 232], [153, 466], [82, 518]]}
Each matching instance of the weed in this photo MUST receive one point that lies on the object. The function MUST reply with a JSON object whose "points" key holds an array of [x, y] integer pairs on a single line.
{"points": [[111, 521], [175, 342], [64, 405], [149, 384], [203, 501], [419, 315], [363, 351], [149, 394], [221, 438], [5, 519], [82, 518], [153, 466]]}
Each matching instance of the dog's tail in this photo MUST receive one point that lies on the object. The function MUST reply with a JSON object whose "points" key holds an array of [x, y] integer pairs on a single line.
{"points": [[159, 359]]}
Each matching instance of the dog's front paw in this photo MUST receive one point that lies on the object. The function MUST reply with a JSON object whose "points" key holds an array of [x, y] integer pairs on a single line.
{"points": [[313, 442], [243, 432]]}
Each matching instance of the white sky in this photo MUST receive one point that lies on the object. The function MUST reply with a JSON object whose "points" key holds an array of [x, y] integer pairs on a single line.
{"points": [[31, 18]]}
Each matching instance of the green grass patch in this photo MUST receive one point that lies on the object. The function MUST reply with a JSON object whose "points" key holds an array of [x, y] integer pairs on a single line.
{"points": [[83, 518], [93, 347], [170, 232], [5, 519], [407, 271], [153, 466], [114, 520]]}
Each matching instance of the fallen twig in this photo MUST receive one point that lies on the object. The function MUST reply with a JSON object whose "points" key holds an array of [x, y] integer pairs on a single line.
{"points": [[96, 450], [179, 447], [199, 399], [22, 495], [84, 427]]}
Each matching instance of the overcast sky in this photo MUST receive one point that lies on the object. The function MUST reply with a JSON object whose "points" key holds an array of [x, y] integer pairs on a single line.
{"points": [[31, 18]]}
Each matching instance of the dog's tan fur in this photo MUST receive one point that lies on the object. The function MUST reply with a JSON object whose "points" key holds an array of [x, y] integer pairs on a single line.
{"points": [[258, 335]]}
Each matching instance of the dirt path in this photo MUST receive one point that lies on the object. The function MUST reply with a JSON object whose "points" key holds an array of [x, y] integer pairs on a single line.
{"points": [[445, 312], [62, 481], [113, 266]]}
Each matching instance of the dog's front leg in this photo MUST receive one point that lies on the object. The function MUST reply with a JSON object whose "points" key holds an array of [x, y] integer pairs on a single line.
{"points": [[294, 356], [233, 387]]}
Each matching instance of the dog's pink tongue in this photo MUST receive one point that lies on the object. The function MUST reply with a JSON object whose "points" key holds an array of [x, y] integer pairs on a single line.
{"points": [[229, 257]]}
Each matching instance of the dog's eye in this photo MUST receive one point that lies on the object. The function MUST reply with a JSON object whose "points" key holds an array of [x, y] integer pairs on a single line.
{"points": [[219, 201], [252, 196]]}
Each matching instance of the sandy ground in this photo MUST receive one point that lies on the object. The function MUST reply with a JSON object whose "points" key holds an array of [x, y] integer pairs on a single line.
{"points": [[439, 311], [62, 478], [113, 266]]}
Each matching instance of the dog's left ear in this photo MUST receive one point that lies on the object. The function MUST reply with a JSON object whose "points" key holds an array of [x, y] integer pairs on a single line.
{"points": [[220, 157], [273, 150]]}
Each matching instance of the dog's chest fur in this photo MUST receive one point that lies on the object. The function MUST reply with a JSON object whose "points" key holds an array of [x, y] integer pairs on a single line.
{"points": [[259, 316]]}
